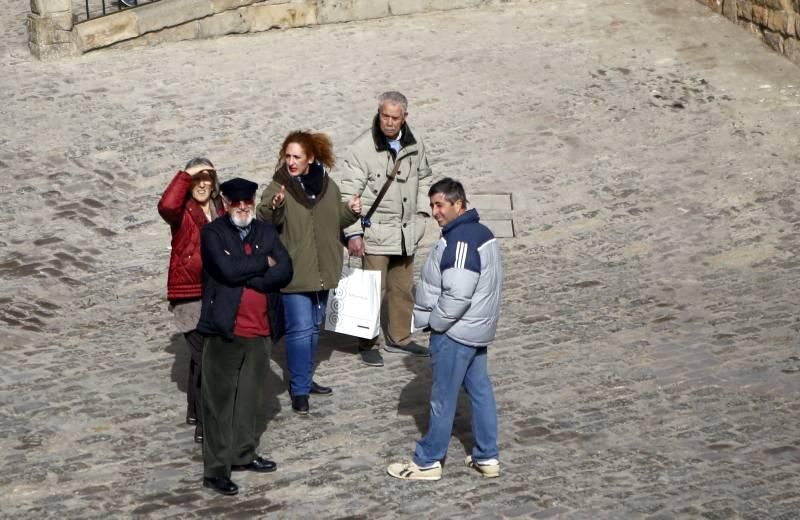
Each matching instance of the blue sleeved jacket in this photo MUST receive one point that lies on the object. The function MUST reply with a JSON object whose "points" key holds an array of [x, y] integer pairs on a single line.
{"points": [[461, 281]]}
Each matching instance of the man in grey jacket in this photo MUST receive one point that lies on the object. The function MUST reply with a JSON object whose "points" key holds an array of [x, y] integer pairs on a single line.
{"points": [[388, 241], [458, 301]]}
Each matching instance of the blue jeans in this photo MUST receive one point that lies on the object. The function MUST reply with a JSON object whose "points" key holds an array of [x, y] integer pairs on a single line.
{"points": [[454, 364], [303, 313]]}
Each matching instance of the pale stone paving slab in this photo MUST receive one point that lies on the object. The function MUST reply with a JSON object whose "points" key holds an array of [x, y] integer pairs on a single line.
{"points": [[646, 364]]}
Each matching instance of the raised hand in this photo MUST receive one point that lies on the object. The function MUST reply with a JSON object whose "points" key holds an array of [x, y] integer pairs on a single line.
{"points": [[355, 204], [279, 197]]}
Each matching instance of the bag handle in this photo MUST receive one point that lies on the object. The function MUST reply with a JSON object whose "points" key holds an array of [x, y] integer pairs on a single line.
{"points": [[366, 220]]}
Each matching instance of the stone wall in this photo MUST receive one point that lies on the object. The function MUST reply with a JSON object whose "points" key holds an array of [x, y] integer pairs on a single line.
{"points": [[776, 22], [53, 34]]}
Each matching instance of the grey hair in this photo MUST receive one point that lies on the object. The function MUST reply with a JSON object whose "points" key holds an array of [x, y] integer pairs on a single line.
{"points": [[394, 98], [198, 161]]}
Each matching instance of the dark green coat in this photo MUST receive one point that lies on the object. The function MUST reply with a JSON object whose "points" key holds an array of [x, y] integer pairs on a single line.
{"points": [[310, 232]]}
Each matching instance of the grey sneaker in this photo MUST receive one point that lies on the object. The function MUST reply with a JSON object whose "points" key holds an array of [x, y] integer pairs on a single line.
{"points": [[372, 358], [413, 348]]}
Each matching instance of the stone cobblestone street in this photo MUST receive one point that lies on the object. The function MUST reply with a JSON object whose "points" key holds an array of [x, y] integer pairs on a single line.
{"points": [[647, 361]]}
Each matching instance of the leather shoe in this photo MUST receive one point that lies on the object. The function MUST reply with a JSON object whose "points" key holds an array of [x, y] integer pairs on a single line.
{"points": [[191, 420], [300, 404], [222, 485], [198, 433], [259, 465], [319, 389]]}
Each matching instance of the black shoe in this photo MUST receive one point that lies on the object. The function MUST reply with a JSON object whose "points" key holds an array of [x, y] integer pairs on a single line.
{"points": [[300, 404], [319, 389], [259, 465], [129, 3], [190, 420], [198, 433], [222, 485], [372, 358], [412, 347]]}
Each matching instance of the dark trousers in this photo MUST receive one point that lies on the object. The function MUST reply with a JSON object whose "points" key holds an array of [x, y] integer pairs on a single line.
{"points": [[233, 389], [194, 407]]}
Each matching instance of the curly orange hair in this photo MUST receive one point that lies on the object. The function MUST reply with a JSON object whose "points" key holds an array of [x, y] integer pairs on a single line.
{"points": [[317, 145]]}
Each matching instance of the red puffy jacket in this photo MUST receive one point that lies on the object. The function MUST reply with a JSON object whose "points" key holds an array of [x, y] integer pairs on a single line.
{"points": [[185, 217]]}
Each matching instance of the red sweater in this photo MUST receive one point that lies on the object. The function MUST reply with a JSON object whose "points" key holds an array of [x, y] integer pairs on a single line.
{"points": [[251, 318]]}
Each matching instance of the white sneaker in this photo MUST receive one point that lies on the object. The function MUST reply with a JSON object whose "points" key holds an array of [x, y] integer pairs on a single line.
{"points": [[410, 471], [488, 468]]}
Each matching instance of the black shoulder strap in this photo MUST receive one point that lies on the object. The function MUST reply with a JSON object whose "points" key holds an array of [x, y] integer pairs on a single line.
{"points": [[366, 219]]}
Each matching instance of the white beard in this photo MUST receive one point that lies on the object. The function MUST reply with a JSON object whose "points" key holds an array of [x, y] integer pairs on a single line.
{"points": [[242, 221]]}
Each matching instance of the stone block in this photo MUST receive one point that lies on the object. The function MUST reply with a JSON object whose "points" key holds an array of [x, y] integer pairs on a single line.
{"points": [[186, 31], [158, 15], [229, 22], [760, 15], [714, 5], [770, 4], [491, 201], [51, 6], [335, 11], [102, 32], [729, 10], [399, 7], [744, 9], [219, 6], [269, 16], [54, 51], [777, 21], [48, 30], [501, 228], [774, 40], [791, 48]]}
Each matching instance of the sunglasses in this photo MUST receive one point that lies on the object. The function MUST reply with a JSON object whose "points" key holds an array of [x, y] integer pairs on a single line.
{"points": [[239, 203]]}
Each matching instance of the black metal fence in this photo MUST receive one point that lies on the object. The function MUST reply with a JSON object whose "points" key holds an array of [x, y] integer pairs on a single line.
{"points": [[88, 9]]}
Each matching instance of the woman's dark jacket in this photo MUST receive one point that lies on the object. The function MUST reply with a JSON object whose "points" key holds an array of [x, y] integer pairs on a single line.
{"points": [[310, 228], [227, 269]]}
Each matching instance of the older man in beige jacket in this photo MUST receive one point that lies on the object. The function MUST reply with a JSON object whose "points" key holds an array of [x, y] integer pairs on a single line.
{"points": [[389, 240]]}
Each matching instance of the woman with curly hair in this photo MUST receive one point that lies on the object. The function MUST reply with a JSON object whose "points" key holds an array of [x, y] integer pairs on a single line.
{"points": [[305, 205]]}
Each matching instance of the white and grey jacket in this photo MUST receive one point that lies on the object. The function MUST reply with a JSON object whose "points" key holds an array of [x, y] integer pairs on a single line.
{"points": [[460, 283]]}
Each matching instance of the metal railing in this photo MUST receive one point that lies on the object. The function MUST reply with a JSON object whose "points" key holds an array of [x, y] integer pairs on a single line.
{"points": [[89, 9]]}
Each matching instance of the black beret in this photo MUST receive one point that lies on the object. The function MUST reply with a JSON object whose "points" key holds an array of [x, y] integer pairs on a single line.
{"points": [[238, 189]]}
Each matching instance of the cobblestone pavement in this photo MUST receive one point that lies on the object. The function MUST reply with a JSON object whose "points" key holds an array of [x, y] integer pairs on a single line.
{"points": [[647, 362]]}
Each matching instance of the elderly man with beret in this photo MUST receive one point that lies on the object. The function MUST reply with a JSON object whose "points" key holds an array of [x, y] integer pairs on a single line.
{"points": [[243, 261]]}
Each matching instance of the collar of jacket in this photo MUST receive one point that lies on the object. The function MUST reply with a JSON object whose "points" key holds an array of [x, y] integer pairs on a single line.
{"points": [[471, 215], [197, 214], [293, 187], [406, 137]]}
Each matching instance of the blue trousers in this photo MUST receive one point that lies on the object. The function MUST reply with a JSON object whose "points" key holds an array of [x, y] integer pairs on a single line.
{"points": [[304, 313], [455, 365]]}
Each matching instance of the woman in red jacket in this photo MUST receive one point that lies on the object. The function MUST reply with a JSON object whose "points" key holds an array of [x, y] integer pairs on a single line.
{"points": [[190, 201]]}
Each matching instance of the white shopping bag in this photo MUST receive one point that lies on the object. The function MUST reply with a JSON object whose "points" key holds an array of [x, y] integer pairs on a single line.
{"points": [[354, 307]]}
